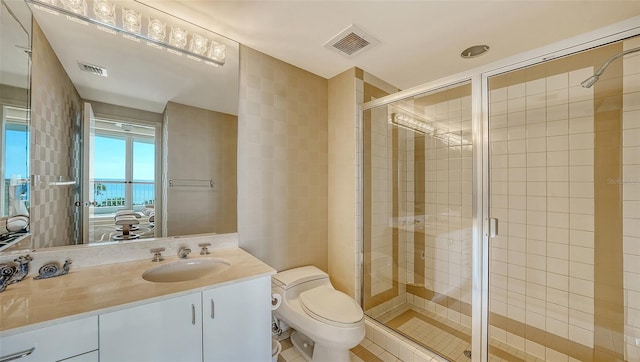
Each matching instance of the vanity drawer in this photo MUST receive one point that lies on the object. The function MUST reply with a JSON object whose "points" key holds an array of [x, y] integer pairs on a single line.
{"points": [[53, 343]]}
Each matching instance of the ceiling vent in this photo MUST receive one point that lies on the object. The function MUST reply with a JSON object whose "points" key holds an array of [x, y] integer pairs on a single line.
{"points": [[351, 41], [93, 69]]}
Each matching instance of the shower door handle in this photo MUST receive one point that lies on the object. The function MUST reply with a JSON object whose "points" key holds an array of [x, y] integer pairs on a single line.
{"points": [[493, 227]]}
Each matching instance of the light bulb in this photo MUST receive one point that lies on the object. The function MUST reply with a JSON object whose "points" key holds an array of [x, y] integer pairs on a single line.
{"points": [[157, 30], [105, 11], [198, 44], [178, 37], [131, 20]]}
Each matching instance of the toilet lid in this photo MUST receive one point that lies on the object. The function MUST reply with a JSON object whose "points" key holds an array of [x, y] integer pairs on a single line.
{"points": [[330, 306]]}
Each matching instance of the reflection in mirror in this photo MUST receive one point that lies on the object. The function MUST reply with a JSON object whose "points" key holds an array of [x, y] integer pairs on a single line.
{"points": [[14, 131], [105, 143], [122, 157]]}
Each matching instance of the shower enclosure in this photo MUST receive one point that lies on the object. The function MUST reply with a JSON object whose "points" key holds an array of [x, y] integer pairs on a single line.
{"points": [[501, 210]]}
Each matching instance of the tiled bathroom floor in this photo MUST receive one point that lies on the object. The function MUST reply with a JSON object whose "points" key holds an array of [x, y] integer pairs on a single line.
{"points": [[367, 351], [443, 342]]}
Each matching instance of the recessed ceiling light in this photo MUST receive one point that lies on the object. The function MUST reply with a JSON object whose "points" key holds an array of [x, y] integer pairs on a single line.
{"points": [[474, 51]]}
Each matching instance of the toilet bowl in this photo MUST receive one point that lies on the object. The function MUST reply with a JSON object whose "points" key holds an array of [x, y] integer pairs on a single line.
{"points": [[327, 322]]}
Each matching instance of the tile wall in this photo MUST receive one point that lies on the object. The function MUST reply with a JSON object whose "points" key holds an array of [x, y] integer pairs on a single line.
{"points": [[444, 212], [542, 192], [631, 199], [381, 194], [383, 342], [434, 197]]}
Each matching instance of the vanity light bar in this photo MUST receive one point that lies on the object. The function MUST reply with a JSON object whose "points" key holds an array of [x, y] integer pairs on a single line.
{"points": [[132, 26]]}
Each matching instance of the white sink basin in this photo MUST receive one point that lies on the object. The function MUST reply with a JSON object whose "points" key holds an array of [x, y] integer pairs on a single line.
{"points": [[185, 269]]}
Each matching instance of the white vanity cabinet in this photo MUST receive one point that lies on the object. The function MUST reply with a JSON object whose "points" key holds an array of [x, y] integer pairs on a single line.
{"points": [[237, 322], [168, 330], [69, 341], [226, 323]]}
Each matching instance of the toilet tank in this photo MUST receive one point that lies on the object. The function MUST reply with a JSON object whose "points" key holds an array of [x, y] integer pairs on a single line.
{"points": [[293, 277]]}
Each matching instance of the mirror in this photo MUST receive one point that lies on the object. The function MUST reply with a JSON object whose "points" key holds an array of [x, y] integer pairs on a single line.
{"points": [[162, 138], [14, 122]]}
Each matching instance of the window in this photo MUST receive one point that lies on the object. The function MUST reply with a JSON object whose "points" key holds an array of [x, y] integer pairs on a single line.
{"points": [[14, 199], [123, 159]]}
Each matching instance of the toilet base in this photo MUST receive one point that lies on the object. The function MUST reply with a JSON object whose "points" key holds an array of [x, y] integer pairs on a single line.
{"points": [[302, 344], [323, 354], [314, 352]]}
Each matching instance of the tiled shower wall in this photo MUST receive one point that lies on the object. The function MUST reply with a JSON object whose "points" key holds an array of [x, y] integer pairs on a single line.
{"points": [[541, 144], [433, 220], [381, 194], [565, 186], [56, 108], [444, 212], [631, 198]]}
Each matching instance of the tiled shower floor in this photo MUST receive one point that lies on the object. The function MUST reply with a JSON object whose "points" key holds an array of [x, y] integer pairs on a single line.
{"points": [[444, 337], [448, 339]]}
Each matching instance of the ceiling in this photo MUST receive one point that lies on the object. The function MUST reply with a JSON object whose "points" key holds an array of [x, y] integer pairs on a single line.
{"points": [[13, 59], [420, 41]]}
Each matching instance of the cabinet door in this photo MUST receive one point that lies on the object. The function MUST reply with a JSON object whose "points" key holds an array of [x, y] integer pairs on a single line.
{"points": [[237, 322], [53, 343], [169, 330], [86, 357]]}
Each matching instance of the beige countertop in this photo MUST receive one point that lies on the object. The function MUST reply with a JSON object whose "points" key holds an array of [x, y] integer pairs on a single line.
{"points": [[90, 291]]}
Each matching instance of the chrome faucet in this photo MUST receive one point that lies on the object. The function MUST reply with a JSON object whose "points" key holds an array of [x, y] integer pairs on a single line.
{"points": [[183, 252], [157, 256], [204, 248]]}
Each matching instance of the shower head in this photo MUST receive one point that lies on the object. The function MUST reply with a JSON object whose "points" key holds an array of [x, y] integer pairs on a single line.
{"points": [[587, 83]]}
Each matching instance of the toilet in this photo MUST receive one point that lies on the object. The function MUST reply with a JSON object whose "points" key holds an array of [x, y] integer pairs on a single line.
{"points": [[327, 322]]}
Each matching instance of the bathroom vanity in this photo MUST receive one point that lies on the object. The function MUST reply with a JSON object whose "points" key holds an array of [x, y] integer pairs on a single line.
{"points": [[110, 313]]}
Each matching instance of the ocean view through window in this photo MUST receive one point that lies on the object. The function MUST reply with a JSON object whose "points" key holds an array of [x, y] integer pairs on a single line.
{"points": [[124, 167], [15, 150]]}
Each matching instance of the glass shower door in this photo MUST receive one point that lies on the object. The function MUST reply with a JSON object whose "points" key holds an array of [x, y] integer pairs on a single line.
{"points": [[417, 203], [563, 177]]}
